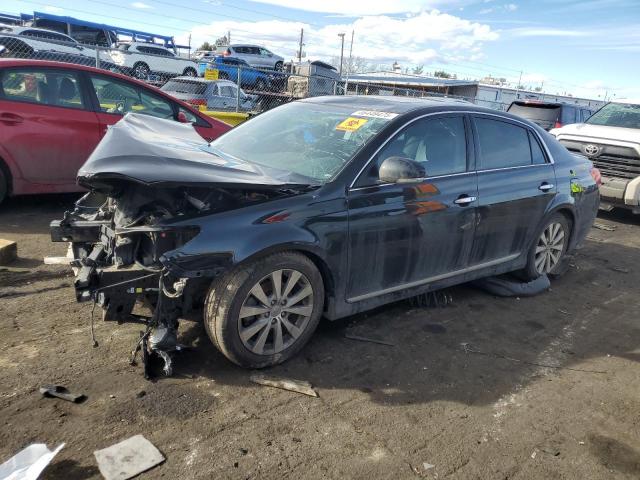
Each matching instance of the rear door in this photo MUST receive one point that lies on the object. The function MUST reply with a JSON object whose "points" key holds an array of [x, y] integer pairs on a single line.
{"points": [[516, 183], [46, 124], [408, 234]]}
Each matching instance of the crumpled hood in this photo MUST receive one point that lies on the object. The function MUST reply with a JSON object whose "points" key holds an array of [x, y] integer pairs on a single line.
{"points": [[597, 132], [159, 152]]}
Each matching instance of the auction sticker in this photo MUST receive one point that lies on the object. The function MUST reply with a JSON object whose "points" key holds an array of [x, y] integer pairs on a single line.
{"points": [[351, 124], [374, 114]]}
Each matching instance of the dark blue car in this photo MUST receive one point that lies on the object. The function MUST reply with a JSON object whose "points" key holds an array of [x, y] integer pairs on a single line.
{"points": [[323, 207], [228, 70]]}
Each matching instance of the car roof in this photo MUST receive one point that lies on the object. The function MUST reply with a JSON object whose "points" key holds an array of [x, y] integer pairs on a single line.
{"points": [[385, 103], [201, 80], [20, 28]]}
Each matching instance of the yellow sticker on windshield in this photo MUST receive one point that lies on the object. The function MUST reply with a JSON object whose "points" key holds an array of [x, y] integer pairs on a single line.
{"points": [[351, 124]]}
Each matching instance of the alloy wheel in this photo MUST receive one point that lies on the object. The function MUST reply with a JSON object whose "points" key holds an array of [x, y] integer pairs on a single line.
{"points": [[276, 312], [550, 248]]}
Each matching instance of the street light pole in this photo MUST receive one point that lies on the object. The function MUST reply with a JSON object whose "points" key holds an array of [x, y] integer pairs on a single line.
{"points": [[341, 35]]}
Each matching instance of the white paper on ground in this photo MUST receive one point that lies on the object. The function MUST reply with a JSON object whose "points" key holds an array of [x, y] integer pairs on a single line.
{"points": [[128, 458], [29, 463]]}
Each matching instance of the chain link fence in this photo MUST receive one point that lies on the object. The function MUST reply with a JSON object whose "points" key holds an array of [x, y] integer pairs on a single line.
{"points": [[211, 85]]}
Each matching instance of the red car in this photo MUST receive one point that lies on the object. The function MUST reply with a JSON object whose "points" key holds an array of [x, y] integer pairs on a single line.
{"points": [[52, 115]]}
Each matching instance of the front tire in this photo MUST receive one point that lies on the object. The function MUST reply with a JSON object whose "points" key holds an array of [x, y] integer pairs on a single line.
{"points": [[4, 185], [263, 313], [141, 71], [261, 85], [279, 66], [190, 72], [548, 250]]}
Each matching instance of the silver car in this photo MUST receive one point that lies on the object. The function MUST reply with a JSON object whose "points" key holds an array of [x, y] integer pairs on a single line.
{"points": [[256, 56], [215, 94]]}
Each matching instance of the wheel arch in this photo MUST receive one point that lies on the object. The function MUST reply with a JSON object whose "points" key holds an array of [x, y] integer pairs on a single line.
{"points": [[309, 251]]}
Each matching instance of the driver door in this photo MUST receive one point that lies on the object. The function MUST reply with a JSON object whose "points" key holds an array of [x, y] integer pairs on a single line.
{"points": [[114, 98], [412, 233]]}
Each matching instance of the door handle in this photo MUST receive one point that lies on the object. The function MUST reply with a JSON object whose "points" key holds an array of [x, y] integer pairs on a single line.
{"points": [[10, 118], [464, 200], [545, 187]]}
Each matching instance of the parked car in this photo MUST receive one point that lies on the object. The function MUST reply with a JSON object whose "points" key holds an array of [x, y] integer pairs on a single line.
{"points": [[52, 115], [549, 114], [149, 61], [610, 138], [37, 43], [205, 55], [228, 70], [327, 206], [214, 94], [255, 55]]}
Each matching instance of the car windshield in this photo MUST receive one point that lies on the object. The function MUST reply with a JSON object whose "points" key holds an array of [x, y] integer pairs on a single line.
{"points": [[311, 139], [185, 86], [624, 115]]}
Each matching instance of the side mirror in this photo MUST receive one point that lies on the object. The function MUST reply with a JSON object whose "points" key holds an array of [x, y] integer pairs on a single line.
{"points": [[400, 169]]}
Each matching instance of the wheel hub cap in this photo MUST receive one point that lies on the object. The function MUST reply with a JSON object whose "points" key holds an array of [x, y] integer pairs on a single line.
{"points": [[275, 312], [549, 248]]}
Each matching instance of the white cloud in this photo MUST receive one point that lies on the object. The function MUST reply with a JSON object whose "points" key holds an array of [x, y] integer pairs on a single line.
{"points": [[548, 32], [418, 39], [358, 7], [52, 9], [141, 5], [511, 7]]}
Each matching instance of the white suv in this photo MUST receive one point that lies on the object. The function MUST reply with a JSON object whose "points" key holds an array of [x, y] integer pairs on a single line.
{"points": [[148, 60], [254, 55], [41, 44], [610, 138]]}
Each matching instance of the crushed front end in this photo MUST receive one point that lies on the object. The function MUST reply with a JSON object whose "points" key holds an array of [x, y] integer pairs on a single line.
{"points": [[151, 184]]}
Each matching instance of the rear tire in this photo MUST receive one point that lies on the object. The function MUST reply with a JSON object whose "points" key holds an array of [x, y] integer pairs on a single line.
{"points": [[548, 250], [278, 66], [190, 72], [254, 322]]}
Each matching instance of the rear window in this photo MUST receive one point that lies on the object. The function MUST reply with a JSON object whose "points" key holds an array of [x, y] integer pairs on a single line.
{"points": [[534, 111], [569, 115], [185, 86], [502, 145]]}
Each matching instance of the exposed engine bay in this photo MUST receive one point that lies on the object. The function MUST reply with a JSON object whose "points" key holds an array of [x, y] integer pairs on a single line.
{"points": [[148, 179]]}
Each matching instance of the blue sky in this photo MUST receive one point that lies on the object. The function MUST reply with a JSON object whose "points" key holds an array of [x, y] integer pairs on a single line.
{"points": [[583, 47]]}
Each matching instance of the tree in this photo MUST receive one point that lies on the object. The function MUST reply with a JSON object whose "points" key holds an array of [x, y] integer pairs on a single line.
{"points": [[419, 70], [354, 65], [222, 41], [442, 74], [206, 47]]}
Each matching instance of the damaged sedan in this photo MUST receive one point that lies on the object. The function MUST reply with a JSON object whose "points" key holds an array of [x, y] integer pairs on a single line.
{"points": [[324, 207]]}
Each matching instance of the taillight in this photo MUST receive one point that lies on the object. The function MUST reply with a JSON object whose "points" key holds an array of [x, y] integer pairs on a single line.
{"points": [[557, 125], [197, 101], [227, 53], [596, 175]]}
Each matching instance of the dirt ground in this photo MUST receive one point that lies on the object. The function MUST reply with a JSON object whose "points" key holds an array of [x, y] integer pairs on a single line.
{"points": [[488, 388]]}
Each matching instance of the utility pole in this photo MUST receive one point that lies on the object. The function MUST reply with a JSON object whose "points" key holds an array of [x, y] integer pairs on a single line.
{"points": [[229, 37], [346, 84], [341, 35], [518, 86], [301, 44]]}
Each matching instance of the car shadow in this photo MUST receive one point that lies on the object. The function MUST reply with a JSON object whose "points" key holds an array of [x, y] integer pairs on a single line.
{"points": [[474, 351]]}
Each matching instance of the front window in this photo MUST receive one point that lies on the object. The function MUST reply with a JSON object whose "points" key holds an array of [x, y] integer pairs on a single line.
{"points": [[311, 139], [624, 115], [118, 97]]}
